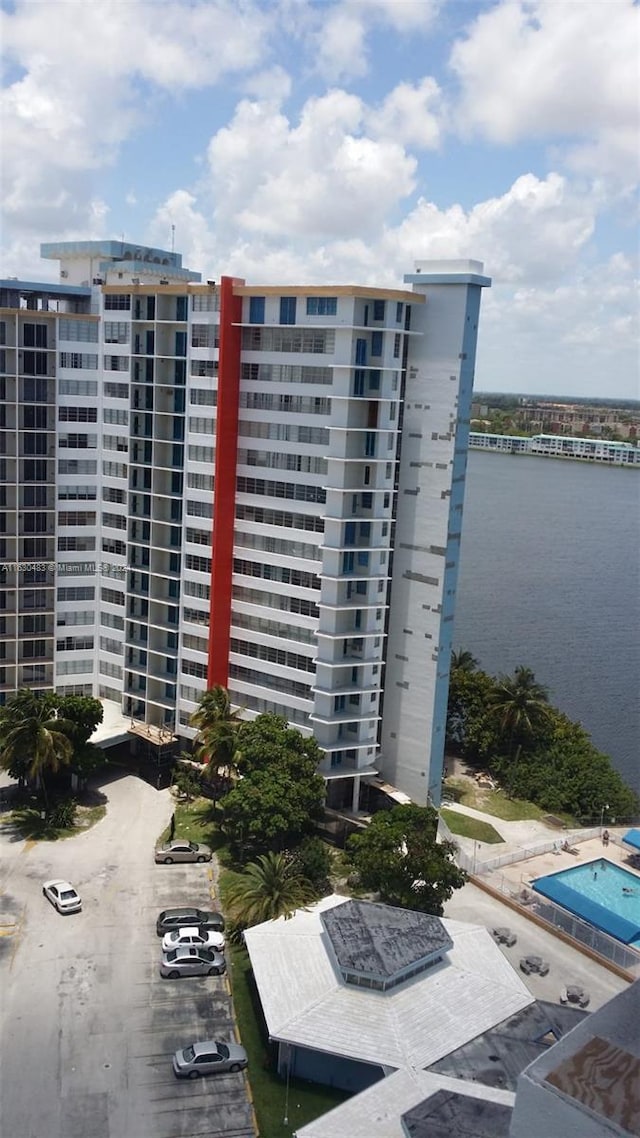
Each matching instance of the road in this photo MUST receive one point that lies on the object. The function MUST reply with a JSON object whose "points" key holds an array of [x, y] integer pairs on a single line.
{"points": [[88, 1025]]}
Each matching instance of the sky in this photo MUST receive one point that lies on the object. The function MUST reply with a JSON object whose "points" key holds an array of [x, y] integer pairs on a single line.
{"points": [[320, 141]]}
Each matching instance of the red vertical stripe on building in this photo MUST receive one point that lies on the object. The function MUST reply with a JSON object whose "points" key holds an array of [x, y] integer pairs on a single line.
{"points": [[224, 494]]}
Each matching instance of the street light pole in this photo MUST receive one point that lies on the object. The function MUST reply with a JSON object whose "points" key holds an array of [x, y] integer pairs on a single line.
{"points": [[605, 807]]}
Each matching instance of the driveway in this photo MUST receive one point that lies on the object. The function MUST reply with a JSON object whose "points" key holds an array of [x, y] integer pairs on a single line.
{"points": [[88, 1025]]}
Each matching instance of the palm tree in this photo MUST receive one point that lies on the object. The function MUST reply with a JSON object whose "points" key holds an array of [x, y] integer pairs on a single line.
{"points": [[216, 743], [521, 705], [270, 887], [30, 732], [463, 661]]}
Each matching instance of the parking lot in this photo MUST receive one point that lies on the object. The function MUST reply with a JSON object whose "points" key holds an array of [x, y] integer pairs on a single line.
{"points": [[88, 1025]]}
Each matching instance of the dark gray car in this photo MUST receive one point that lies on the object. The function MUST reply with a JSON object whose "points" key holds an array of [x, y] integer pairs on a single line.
{"points": [[170, 919], [209, 1058], [192, 962]]}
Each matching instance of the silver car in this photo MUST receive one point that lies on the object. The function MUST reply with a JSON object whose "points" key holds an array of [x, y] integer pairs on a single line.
{"points": [[192, 962], [208, 1058], [180, 850]]}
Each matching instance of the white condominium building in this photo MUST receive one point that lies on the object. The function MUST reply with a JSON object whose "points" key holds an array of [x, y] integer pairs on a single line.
{"points": [[257, 486]]}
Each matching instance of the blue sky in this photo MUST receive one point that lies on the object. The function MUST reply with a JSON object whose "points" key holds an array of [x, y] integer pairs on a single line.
{"points": [[295, 140]]}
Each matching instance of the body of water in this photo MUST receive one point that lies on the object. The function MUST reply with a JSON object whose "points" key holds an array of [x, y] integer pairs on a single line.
{"points": [[550, 578]]}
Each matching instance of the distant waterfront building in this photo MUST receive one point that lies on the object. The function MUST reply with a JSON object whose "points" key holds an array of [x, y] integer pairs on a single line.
{"points": [[258, 486], [559, 446]]}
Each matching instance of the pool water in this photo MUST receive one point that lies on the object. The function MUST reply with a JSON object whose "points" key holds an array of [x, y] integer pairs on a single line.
{"points": [[594, 891]]}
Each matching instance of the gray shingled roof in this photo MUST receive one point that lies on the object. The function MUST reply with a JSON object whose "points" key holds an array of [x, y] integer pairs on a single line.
{"points": [[380, 941], [447, 1115]]}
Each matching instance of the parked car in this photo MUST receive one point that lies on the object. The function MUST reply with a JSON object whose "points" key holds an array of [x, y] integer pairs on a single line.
{"points": [[503, 935], [208, 1058], [170, 919], [190, 937], [192, 962], [530, 964], [63, 896], [179, 850]]}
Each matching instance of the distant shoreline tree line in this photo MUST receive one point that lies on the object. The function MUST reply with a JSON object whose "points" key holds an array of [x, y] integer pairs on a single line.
{"points": [[506, 725]]}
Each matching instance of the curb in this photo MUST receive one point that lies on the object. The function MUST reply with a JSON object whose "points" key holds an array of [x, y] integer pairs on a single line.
{"points": [[229, 991]]}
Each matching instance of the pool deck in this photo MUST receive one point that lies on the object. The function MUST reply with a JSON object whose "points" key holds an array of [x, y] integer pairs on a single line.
{"points": [[520, 873], [568, 964]]}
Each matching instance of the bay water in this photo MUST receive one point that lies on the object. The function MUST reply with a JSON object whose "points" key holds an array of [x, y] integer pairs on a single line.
{"points": [[550, 578]]}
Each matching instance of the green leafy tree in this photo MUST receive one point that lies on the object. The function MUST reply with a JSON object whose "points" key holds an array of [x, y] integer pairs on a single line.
{"points": [[463, 661], [33, 741], [471, 730], [398, 857], [520, 705], [81, 714], [269, 888], [187, 783], [279, 795], [313, 862], [568, 774], [217, 739]]}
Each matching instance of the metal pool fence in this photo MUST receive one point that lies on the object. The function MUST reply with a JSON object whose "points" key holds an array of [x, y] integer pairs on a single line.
{"points": [[579, 930]]}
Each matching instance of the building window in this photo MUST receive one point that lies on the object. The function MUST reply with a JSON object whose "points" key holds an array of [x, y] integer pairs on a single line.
{"points": [[35, 335], [287, 309], [376, 343], [78, 330], [378, 309], [399, 312], [201, 336], [322, 305], [77, 414], [116, 363], [361, 353], [78, 360], [116, 332], [78, 386], [117, 301], [256, 310]]}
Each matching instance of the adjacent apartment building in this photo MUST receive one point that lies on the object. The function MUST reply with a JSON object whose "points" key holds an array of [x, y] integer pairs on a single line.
{"points": [[257, 486]]}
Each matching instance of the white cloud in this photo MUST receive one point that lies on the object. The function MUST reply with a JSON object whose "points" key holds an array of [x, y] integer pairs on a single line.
{"points": [[323, 177], [340, 40], [411, 114], [541, 69], [272, 86], [534, 232], [341, 44], [548, 325], [577, 337], [79, 88]]}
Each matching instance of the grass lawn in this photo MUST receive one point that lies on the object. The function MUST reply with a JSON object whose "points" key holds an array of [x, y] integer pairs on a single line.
{"points": [[197, 822], [307, 1101], [32, 827], [494, 802], [468, 827]]}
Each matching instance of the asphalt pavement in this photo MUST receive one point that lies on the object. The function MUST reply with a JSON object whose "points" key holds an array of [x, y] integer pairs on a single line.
{"points": [[88, 1026]]}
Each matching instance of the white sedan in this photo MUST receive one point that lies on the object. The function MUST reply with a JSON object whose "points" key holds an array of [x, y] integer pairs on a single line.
{"points": [[192, 937], [63, 896]]}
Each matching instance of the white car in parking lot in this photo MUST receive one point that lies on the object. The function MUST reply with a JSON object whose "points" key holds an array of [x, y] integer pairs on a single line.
{"points": [[63, 896], [193, 938]]}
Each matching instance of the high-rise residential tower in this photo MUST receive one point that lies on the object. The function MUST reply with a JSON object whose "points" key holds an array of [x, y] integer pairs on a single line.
{"points": [[258, 486]]}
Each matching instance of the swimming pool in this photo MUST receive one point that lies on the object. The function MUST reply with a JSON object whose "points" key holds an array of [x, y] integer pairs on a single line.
{"points": [[595, 892]]}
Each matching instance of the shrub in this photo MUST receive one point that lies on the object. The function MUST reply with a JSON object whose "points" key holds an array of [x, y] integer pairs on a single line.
{"points": [[63, 814]]}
